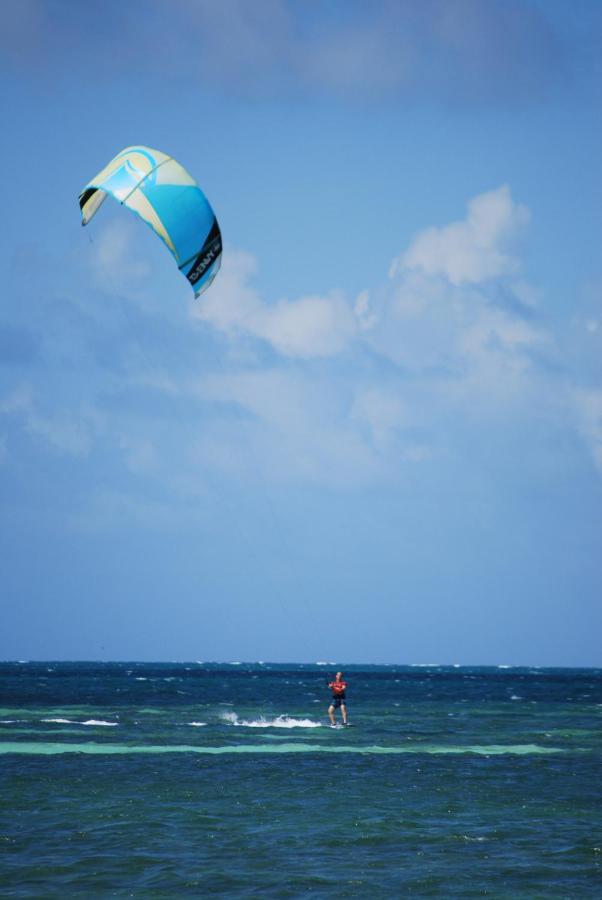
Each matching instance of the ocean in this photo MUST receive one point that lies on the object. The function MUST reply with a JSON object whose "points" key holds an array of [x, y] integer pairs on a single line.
{"points": [[196, 779]]}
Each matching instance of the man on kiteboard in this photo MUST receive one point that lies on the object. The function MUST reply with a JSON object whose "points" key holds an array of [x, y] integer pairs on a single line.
{"points": [[338, 688]]}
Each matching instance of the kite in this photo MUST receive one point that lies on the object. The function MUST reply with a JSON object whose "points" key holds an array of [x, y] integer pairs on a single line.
{"points": [[162, 193]]}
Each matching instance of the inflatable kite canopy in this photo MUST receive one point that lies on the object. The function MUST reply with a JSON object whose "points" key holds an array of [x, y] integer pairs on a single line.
{"points": [[162, 193]]}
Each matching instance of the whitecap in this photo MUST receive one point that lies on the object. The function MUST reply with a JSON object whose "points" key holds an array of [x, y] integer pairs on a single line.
{"points": [[197, 724], [262, 722], [99, 722], [75, 722]]}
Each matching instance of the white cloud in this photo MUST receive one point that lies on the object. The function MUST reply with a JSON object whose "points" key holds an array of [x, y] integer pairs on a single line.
{"points": [[454, 302], [305, 328], [473, 250], [462, 329], [309, 326]]}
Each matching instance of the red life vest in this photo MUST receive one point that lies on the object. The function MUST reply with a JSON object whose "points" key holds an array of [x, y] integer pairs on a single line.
{"points": [[338, 687]]}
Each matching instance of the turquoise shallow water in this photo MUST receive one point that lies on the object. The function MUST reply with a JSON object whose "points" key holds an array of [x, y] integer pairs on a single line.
{"points": [[194, 779]]}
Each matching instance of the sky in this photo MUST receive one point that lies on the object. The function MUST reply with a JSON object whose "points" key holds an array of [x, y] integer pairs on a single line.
{"points": [[377, 438]]}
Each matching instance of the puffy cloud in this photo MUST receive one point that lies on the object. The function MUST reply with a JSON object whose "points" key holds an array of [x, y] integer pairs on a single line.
{"points": [[308, 327], [455, 304], [461, 329], [472, 250]]}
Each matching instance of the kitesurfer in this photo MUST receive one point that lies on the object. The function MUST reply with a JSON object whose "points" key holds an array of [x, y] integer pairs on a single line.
{"points": [[338, 688]]}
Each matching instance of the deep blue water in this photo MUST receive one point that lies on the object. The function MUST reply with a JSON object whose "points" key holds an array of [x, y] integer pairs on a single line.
{"points": [[165, 780]]}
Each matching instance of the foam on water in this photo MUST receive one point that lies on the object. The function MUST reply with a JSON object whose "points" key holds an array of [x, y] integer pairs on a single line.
{"points": [[262, 722], [99, 723], [95, 722]]}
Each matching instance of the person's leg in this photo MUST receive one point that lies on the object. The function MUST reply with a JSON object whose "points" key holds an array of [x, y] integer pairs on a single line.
{"points": [[344, 713], [331, 713]]}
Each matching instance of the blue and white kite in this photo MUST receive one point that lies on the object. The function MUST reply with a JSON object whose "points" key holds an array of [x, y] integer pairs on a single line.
{"points": [[160, 191]]}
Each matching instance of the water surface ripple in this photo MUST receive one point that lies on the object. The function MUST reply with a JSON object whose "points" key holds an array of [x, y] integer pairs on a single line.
{"points": [[162, 780]]}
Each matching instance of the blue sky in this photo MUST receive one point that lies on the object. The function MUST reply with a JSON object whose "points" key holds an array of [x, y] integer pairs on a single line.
{"points": [[378, 437]]}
